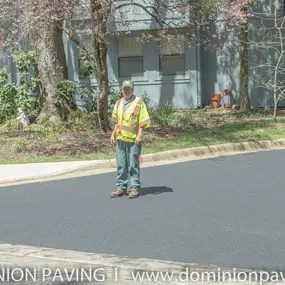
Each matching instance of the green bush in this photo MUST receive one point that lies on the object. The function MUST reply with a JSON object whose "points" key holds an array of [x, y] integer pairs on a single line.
{"points": [[49, 131], [164, 115], [147, 101], [27, 89], [87, 69], [11, 125], [89, 95], [19, 146], [64, 92], [8, 105], [14, 96], [188, 117], [83, 121], [8, 98], [113, 97], [44, 132], [3, 76]]}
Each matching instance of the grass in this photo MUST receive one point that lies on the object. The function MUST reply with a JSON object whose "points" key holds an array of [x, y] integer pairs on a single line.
{"points": [[233, 133], [253, 130], [4, 140]]}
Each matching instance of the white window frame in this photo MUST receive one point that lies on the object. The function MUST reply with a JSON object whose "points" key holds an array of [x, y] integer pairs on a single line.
{"points": [[135, 52], [172, 49]]}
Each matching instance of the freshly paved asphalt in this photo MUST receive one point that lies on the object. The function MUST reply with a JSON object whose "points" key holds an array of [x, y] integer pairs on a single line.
{"points": [[227, 211]]}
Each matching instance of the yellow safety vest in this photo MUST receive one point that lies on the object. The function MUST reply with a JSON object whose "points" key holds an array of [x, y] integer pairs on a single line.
{"points": [[129, 121]]}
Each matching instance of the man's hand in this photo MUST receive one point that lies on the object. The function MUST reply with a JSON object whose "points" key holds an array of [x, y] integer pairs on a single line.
{"points": [[139, 136], [112, 140], [139, 139]]}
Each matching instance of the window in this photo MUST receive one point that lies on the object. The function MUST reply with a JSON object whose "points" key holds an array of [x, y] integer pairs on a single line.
{"points": [[267, 7], [130, 57], [85, 68], [172, 58]]}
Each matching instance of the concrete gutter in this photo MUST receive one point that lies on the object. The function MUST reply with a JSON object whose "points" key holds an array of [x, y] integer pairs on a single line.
{"points": [[217, 150], [118, 267], [20, 172]]}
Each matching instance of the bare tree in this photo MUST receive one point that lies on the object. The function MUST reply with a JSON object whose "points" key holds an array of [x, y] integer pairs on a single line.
{"points": [[102, 13], [45, 20], [270, 54], [244, 48]]}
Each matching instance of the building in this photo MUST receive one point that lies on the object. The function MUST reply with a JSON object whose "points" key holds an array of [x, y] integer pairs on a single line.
{"points": [[187, 76]]}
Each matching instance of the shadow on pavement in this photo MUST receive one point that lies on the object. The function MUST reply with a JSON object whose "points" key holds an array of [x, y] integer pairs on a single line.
{"points": [[155, 190]]}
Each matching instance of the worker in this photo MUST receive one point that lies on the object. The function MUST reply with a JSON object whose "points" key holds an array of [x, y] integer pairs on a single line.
{"points": [[130, 116]]}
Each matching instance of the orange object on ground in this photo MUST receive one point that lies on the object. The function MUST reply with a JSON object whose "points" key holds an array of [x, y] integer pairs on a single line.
{"points": [[216, 101]]}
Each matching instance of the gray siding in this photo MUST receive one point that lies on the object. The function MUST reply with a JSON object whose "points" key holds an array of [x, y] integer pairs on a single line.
{"points": [[8, 65], [220, 64], [181, 90], [209, 69]]}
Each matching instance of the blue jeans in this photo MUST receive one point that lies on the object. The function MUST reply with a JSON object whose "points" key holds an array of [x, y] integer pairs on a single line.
{"points": [[128, 165]]}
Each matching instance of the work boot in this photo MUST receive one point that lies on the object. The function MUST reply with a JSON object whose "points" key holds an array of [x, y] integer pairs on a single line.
{"points": [[118, 193], [133, 194]]}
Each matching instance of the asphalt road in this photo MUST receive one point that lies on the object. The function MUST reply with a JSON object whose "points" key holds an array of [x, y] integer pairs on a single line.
{"points": [[227, 211]]}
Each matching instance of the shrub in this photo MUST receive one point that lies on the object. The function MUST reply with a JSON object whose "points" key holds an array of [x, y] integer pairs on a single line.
{"points": [[82, 121], [26, 89], [48, 132], [114, 96], [147, 100], [44, 132], [19, 146], [188, 117], [20, 95], [11, 125], [64, 92], [8, 103], [164, 115]]}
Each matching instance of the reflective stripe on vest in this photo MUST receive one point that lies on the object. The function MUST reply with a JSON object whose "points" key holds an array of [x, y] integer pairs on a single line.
{"points": [[129, 129], [136, 105], [137, 108]]}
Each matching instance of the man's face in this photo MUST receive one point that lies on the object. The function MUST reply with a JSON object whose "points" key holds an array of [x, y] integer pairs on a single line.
{"points": [[127, 92]]}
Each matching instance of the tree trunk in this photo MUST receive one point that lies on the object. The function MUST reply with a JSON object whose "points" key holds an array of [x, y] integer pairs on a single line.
{"points": [[244, 72], [52, 70], [103, 84], [99, 15], [276, 101], [275, 109], [45, 37]]}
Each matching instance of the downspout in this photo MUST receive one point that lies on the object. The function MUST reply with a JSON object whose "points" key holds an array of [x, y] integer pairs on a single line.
{"points": [[198, 68]]}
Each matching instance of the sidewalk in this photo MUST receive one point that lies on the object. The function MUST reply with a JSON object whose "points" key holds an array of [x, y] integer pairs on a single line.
{"points": [[22, 172], [27, 265], [30, 271]]}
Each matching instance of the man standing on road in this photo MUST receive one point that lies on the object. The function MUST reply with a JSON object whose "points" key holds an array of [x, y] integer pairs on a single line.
{"points": [[130, 117]]}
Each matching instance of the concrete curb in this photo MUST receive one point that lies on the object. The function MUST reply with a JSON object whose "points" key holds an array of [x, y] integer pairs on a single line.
{"points": [[196, 153], [122, 265], [216, 150]]}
